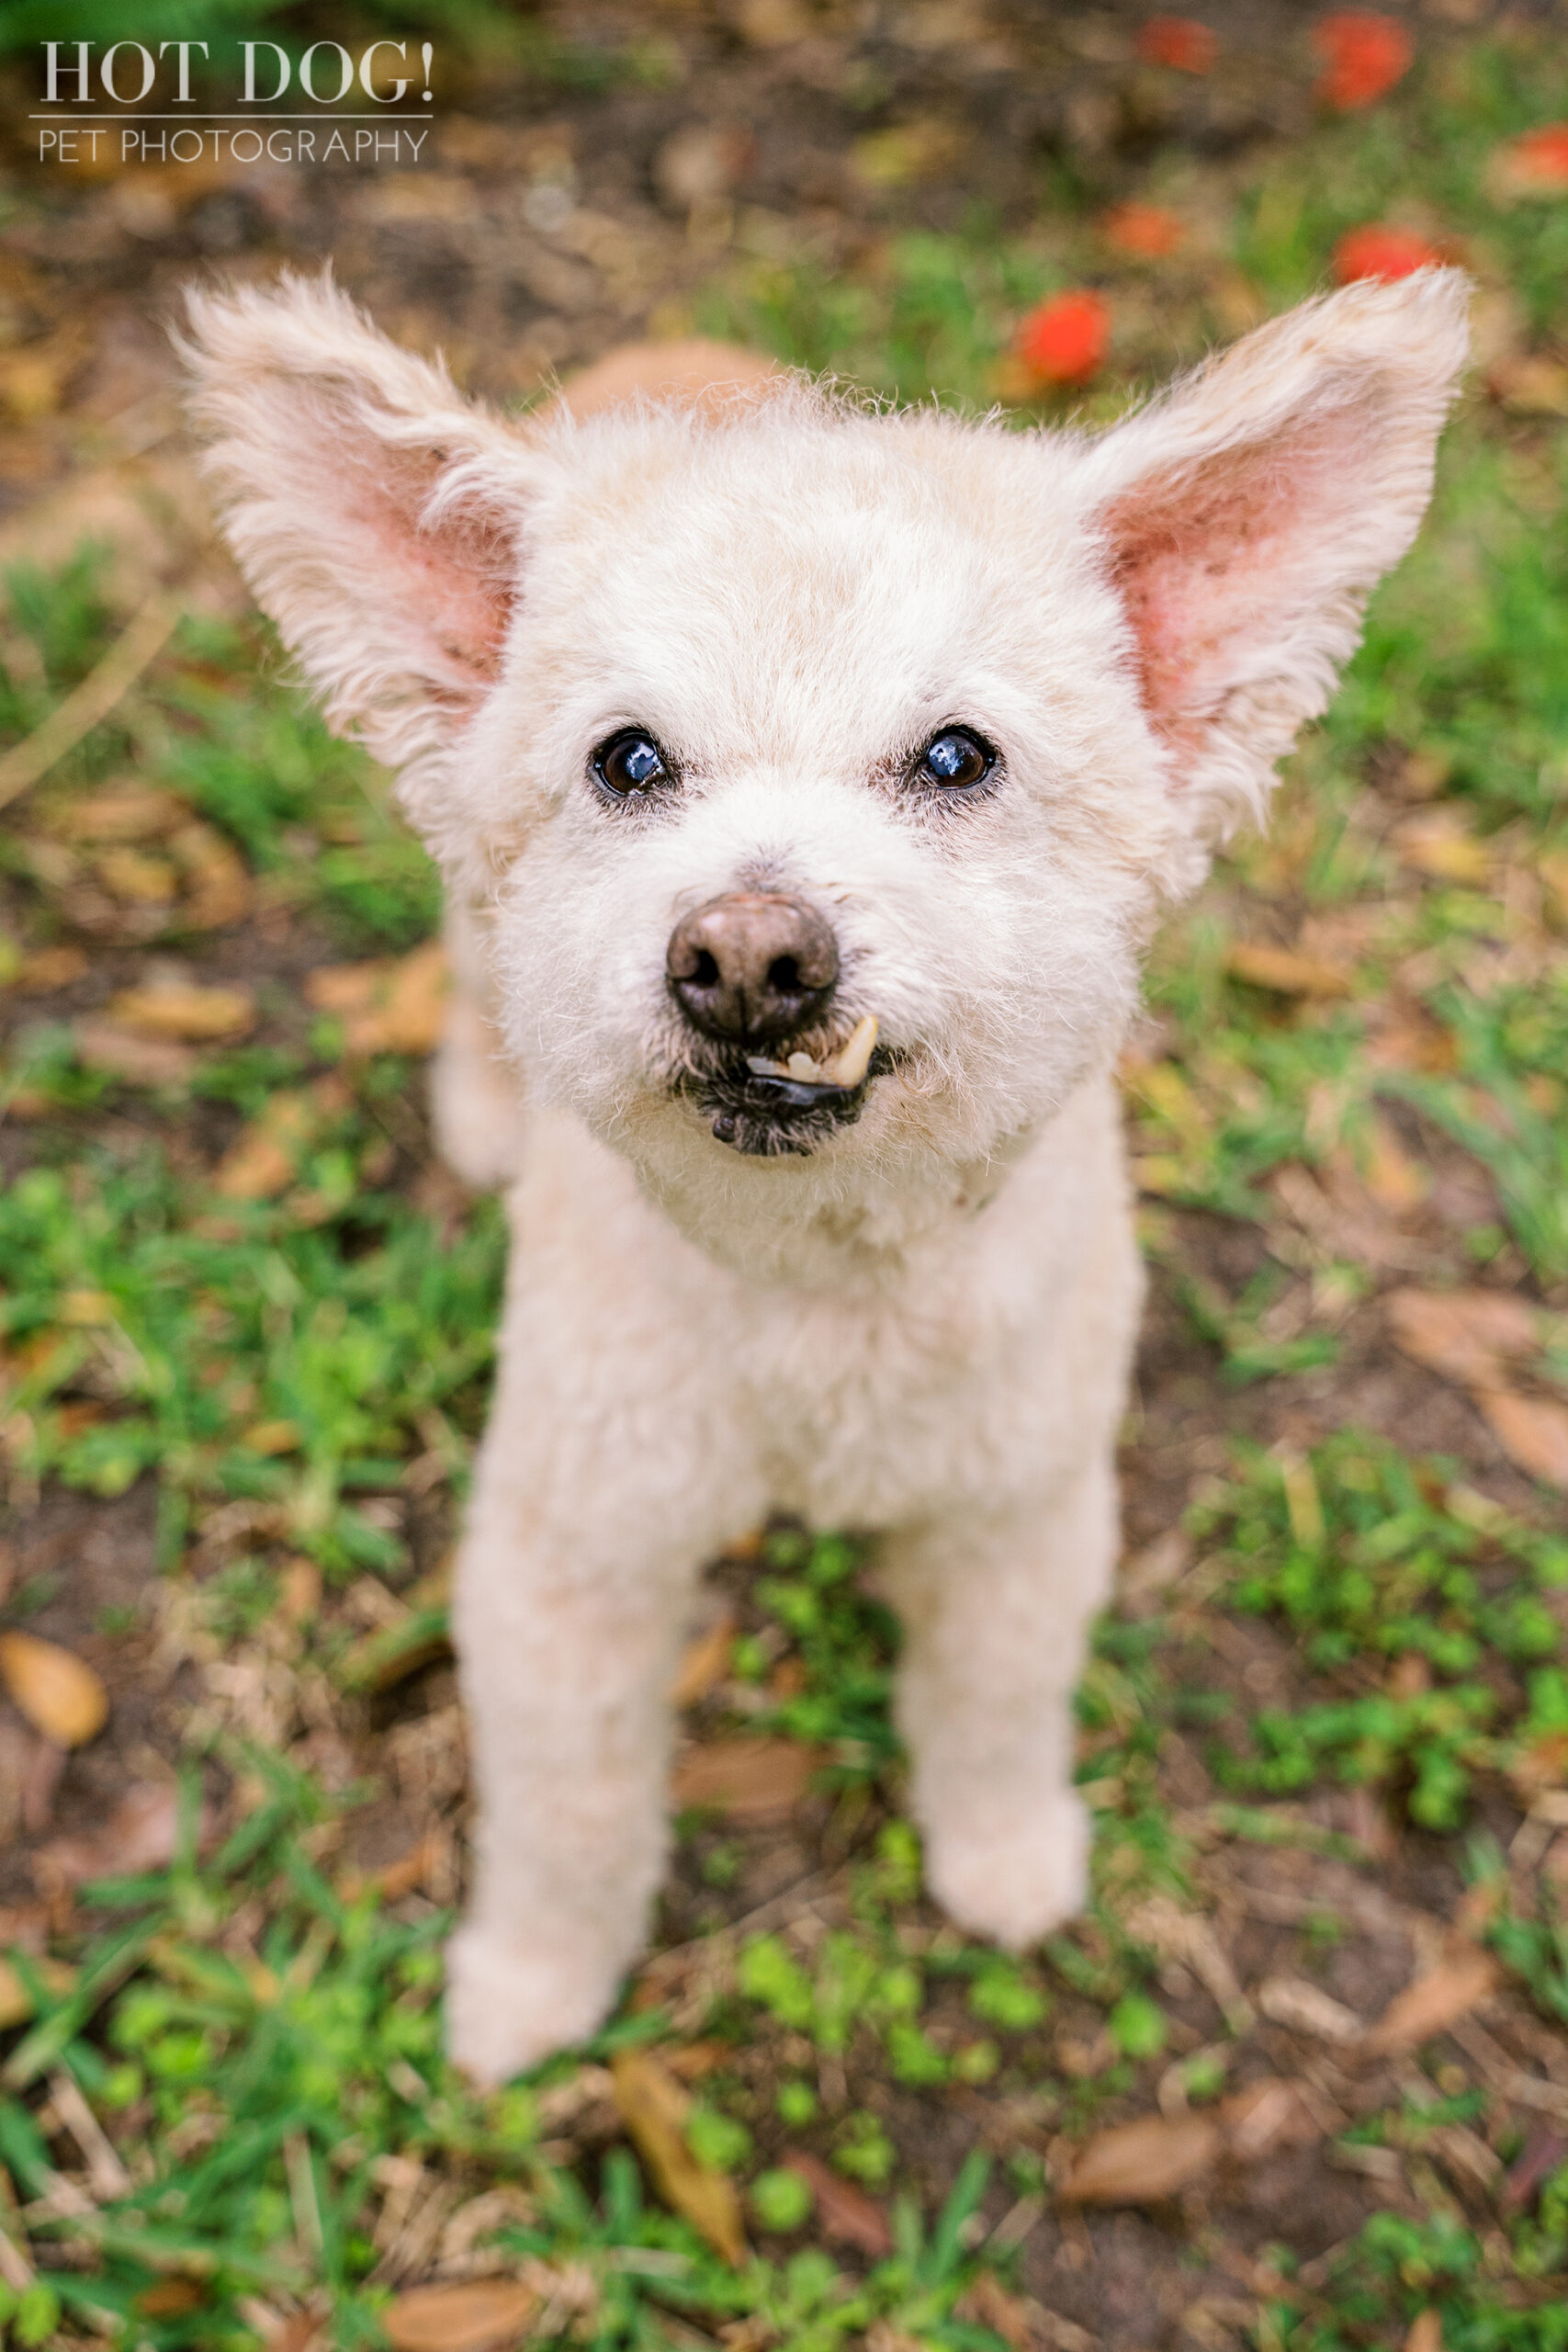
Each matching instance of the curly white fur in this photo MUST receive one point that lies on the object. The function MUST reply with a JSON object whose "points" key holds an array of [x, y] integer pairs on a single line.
{"points": [[924, 1326]]}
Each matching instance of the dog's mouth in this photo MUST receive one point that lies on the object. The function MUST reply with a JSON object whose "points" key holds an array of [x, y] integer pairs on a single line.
{"points": [[767, 1109]]}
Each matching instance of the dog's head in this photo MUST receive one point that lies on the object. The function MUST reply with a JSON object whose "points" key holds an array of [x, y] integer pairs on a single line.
{"points": [[822, 768]]}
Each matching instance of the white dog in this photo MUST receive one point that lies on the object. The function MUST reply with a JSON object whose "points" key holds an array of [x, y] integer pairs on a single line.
{"points": [[805, 779]]}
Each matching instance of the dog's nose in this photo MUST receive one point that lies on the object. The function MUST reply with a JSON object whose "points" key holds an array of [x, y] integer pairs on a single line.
{"points": [[753, 967]]}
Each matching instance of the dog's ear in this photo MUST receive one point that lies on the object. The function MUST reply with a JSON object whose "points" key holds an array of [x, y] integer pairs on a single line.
{"points": [[374, 512], [1249, 512]]}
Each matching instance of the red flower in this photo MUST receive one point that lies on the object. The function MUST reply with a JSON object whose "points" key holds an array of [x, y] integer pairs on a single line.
{"points": [[1363, 57], [1379, 252], [1180, 41], [1063, 340], [1538, 163], [1147, 230]]}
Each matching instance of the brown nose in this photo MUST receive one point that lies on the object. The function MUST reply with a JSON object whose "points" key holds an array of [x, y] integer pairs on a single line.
{"points": [[753, 967]]}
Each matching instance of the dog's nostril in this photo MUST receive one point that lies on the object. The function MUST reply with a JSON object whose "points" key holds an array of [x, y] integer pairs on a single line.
{"points": [[783, 974], [704, 973]]}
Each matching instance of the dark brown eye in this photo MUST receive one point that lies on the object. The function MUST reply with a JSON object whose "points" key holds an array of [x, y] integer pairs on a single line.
{"points": [[955, 759], [630, 763]]}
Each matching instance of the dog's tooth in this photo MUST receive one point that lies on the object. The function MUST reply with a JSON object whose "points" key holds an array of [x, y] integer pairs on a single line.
{"points": [[850, 1066], [759, 1067], [802, 1067]]}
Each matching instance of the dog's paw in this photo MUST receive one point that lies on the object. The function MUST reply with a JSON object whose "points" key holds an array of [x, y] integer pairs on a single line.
{"points": [[509, 2005], [1014, 1877]]}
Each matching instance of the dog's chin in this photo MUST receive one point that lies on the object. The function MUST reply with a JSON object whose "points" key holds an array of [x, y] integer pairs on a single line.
{"points": [[773, 1117]]}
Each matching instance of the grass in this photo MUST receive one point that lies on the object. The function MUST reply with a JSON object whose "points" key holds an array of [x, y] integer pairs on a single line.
{"points": [[256, 2027]]}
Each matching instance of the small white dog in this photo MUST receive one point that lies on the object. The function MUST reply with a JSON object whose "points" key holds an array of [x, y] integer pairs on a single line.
{"points": [[805, 779]]}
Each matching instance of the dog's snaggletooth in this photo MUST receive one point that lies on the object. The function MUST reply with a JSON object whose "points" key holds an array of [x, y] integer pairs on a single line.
{"points": [[852, 1061]]}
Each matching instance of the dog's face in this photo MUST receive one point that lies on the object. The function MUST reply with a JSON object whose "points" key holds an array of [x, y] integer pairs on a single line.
{"points": [[822, 769]]}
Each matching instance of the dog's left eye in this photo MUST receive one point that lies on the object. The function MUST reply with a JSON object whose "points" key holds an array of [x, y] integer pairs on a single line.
{"points": [[954, 759], [629, 763]]}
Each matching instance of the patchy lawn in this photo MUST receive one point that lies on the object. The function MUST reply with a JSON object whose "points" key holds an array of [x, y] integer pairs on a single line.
{"points": [[1299, 2079]]}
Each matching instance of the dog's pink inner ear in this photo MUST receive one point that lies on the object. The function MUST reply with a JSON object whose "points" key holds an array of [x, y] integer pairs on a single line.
{"points": [[444, 578], [1216, 559]]}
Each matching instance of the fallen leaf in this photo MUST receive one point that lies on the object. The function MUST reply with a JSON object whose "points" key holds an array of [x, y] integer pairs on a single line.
{"points": [[51, 967], [170, 2299], [1425, 2332], [57, 1691], [654, 2109], [122, 1053], [303, 2332], [1270, 2114], [1532, 1431], [139, 1836], [387, 1006], [704, 1663], [1282, 969], [264, 1158], [1542, 2153], [1463, 1334], [1437, 843], [182, 1010], [219, 886], [132, 812], [1138, 2164], [465, 2317], [845, 2214], [1302, 2007], [750, 1780], [272, 1437], [1434, 2002], [16, 2004], [137, 877], [1530, 384], [1018, 2322], [1395, 1182]]}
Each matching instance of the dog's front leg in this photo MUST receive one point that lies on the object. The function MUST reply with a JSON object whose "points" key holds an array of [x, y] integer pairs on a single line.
{"points": [[601, 1488], [997, 1612]]}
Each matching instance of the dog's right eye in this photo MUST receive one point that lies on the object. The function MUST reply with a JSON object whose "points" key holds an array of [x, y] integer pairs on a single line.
{"points": [[630, 765]]}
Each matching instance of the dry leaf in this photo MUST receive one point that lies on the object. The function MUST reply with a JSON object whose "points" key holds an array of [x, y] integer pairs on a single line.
{"points": [[1138, 2164], [387, 1006], [845, 2214], [1395, 1182], [1014, 2319], [1532, 1431], [137, 878], [1284, 970], [1435, 843], [122, 1053], [59, 1694], [704, 1662], [304, 2332], [263, 1159], [1434, 2002], [1301, 2007], [1266, 2115], [1463, 1333], [51, 967], [139, 1836], [460, 2318], [16, 2002], [181, 1009], [215, 874], [1531, 385], [654, 2109], [749, 1779], [1425, 2332], [132, 812]]}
